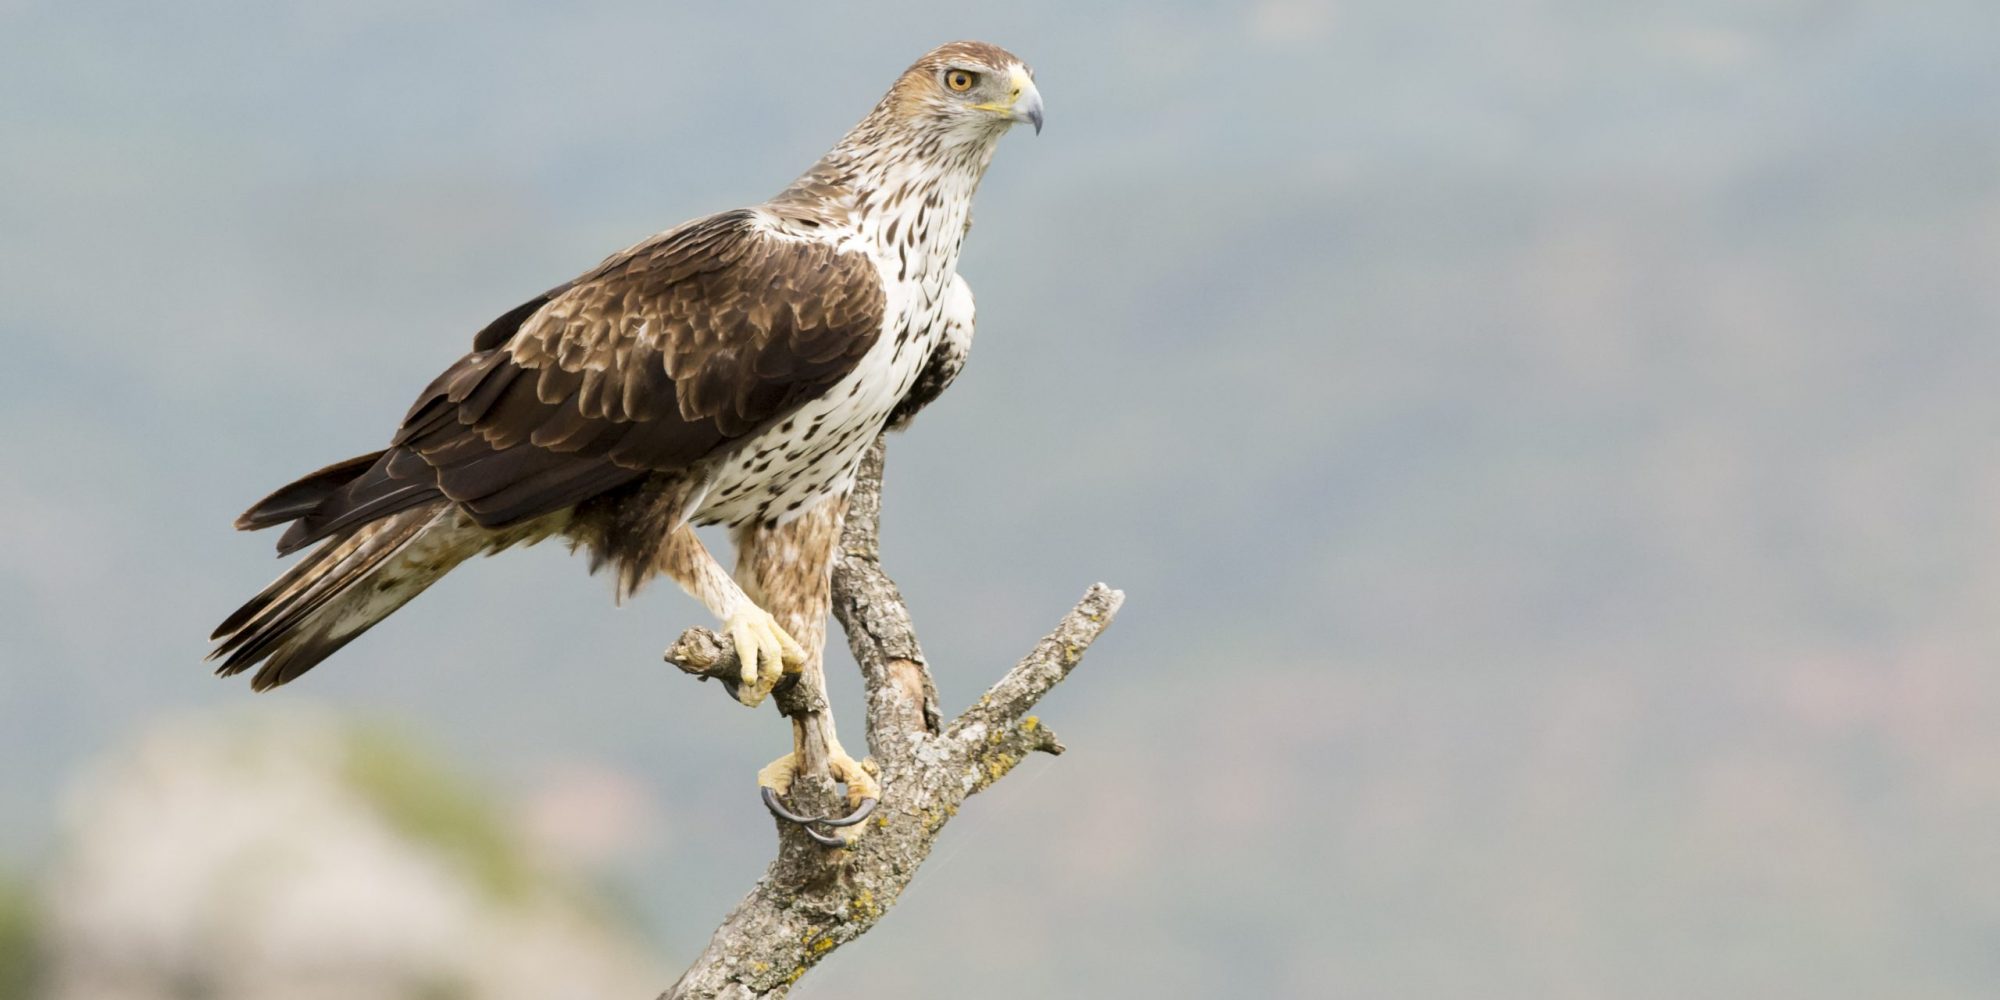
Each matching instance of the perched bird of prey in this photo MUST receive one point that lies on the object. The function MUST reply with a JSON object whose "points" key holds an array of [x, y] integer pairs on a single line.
{"points": [[730, 370]]}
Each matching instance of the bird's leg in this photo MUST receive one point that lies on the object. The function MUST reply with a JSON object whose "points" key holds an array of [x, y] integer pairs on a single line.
{"points": [[765, 649], [788, 570], [863, 791]]}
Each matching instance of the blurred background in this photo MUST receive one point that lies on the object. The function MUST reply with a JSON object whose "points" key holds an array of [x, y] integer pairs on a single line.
{"points": [[1548, 448]]}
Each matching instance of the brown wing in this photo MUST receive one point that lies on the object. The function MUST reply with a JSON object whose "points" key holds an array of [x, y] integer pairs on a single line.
{"points": [[658, 357]]}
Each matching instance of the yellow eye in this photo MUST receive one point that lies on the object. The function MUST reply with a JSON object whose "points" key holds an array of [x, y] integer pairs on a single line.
{"points": [[959, 80]]}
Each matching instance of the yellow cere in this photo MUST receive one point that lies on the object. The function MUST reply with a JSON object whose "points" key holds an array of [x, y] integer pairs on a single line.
{"points": [[1019, 80]]}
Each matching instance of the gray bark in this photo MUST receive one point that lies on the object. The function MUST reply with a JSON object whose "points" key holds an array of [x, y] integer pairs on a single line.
{"points": [[813, 899]]}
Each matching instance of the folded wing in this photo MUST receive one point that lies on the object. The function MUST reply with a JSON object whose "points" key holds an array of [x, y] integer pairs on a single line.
{"points": [[662, 355]]}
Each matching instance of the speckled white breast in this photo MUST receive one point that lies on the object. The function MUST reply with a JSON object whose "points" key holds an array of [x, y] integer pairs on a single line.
{"points": [[812, 455], [910, 222]]}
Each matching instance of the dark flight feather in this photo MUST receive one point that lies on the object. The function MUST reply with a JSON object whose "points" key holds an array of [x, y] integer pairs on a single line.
{"points": [[659, 357], [299, 498], [317, 607]]}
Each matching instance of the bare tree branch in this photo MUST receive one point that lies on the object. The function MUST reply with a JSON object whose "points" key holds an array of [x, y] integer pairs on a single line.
{"points": [[813, 899], [901, 697]]}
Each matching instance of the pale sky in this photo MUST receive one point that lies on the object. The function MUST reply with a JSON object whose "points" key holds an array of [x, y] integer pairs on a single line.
{"points": [[1548, 449]]}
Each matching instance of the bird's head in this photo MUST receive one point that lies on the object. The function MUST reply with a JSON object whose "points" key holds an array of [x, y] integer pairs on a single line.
{"points": [[966, 91]]}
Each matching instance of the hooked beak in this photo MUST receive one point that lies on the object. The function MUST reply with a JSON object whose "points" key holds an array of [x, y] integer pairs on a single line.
{"points": [[1024, 102], [1027, 101]]}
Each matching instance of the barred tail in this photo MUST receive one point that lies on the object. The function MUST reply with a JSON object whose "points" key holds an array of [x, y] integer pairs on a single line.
{"points": [[340, 590]]}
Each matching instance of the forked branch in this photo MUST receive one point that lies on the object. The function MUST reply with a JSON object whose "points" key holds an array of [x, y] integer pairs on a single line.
{"points": [[813, 899]]}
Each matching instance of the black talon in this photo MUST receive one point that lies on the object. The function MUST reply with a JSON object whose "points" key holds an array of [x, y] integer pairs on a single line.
{"points": [[860, 813], [778, 810], [828, 839], [806, 823]]}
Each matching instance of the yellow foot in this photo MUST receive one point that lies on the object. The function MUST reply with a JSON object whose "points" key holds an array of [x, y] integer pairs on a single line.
{"points": [[863, 791], [765, 651]]}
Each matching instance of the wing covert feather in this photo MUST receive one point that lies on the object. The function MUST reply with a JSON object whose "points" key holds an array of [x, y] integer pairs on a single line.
{"points": [[658, 357]]}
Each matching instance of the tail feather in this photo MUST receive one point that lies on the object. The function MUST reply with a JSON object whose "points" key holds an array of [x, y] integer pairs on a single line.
{"points": [[335, 566], [340, 591], [296, 500], [305, 569]]}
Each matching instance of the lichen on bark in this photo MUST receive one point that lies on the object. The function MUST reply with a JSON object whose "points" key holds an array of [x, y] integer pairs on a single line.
{"points": [[813, 899]]}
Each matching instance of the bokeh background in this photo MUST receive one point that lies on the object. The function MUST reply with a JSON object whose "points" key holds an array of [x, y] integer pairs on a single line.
{"points": [[1549, 449]]}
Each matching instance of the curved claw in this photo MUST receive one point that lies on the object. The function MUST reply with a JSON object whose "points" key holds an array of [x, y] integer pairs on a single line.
{"points": [[807, 823], [777, 809], [827, 839], [860, 813]]}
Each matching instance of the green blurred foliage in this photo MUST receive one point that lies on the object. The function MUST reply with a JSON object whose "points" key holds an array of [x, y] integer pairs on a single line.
{"points": [[436, 806], [20, 938]]}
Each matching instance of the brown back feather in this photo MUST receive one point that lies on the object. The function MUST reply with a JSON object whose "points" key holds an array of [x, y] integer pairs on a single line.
{"points": [[660, 356]]}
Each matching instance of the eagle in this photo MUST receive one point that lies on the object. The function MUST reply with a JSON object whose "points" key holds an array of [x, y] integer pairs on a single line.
{"points": [[731, 370]]}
